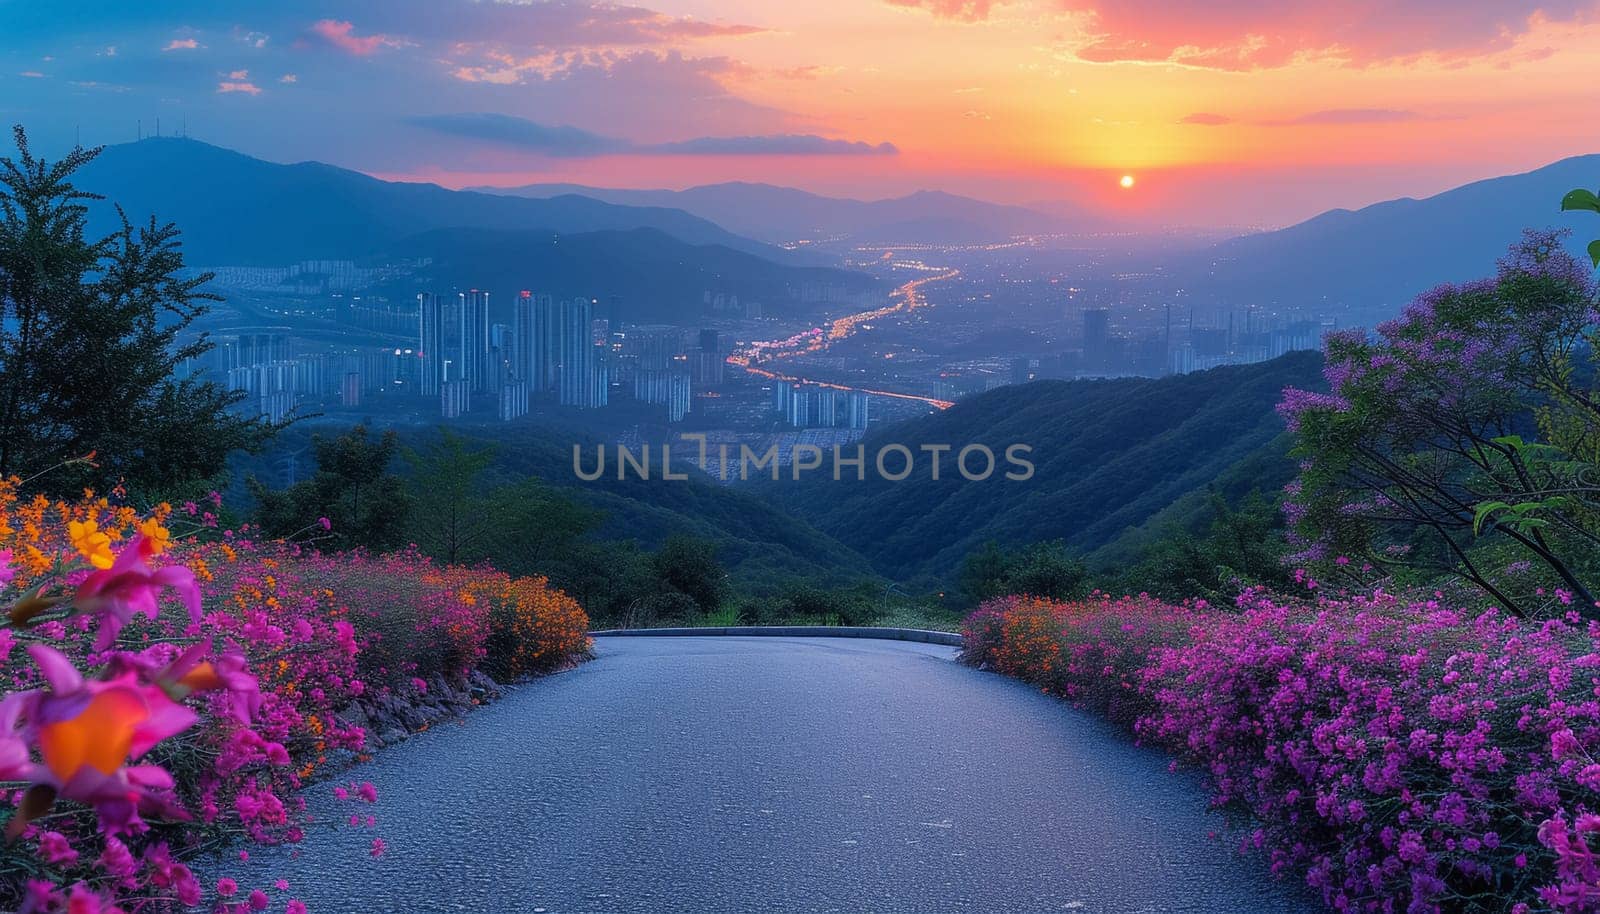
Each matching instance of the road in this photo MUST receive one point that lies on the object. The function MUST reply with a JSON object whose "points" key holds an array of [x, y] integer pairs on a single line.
{"points": [[908, 296], [775, 775]]}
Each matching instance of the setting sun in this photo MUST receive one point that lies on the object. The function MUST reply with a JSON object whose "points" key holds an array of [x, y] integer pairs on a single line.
{"points": [[1126, 182]]}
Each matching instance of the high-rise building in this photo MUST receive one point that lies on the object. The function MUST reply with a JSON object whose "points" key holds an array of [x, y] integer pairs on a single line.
{"points": [[813, 406], [350, 389], [708, 364], [582, 377], [430, 343], [520, 354], [474, 340], [455, 398], [513, 400], [544, 371], [857, 409], [671, 388]]}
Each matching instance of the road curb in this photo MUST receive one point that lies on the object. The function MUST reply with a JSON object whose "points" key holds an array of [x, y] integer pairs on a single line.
{"points": [[920, 635]]}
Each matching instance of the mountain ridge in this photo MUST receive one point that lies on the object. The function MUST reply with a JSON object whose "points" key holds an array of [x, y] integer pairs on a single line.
{"points": [[1110, 456], [313, 210], [1403, 246], [777, 213]]}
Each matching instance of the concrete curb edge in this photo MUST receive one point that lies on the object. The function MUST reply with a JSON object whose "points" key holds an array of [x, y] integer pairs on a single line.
{"points": [[919, 635]]}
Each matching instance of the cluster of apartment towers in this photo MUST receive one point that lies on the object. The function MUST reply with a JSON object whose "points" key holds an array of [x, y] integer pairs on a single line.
{"points": [[549, 346], [563, 349]]}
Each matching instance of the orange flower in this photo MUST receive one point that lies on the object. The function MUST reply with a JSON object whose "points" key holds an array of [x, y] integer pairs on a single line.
{"points": [[157, 538], [101, 737], [91, 543]]}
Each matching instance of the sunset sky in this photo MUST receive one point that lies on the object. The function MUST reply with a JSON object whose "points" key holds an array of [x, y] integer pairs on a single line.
{"points": [[1226, 111]]}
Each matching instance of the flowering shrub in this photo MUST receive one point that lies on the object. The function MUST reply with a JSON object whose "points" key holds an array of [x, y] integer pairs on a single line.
{"points": [[1399, 755], [168, 696], [1460, 439], [534, 629]]}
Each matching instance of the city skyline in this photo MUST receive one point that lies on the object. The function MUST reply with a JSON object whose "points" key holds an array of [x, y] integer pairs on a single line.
{"points": [[1244, 115]]}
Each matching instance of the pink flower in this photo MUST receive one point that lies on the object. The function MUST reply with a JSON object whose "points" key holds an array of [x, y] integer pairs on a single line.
{"points": [[378, 847], [16, 763], [87, 731], [131, 587], [325, 523], [83, 900], [227, 888], [295, 906], [367, 792], [258, 900], [56, 850], [189, 673]]}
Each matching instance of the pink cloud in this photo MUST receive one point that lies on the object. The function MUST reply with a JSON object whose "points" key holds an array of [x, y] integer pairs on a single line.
{"points": [[963, 10], [1247, 35], [1250, 34], [1207, 119], [181, 44], [238, 81], [342, 35]]}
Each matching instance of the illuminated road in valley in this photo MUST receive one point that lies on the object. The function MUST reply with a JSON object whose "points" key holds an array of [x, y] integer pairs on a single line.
{"points": [[908, 296]]}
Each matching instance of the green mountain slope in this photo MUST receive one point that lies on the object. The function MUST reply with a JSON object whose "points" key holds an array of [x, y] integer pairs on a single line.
{"points": [[1110, 456]]}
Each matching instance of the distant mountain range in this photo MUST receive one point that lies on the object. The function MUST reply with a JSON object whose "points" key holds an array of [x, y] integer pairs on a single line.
{"points": [[773, 213], [658, 277], [1384, 254], [1111, 456], [238, 210]]}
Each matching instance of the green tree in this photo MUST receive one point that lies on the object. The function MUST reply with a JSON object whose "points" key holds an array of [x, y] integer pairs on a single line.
{"points": [[1048, 570], [983, 573], [689, 566], [92, 332], [1424, 457], [1241, 546], [366, 504], [453, 516], [535, 525], [1045, 569]]}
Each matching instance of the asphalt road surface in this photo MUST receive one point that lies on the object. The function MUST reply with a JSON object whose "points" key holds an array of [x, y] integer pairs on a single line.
{"points": [[731, 774]]}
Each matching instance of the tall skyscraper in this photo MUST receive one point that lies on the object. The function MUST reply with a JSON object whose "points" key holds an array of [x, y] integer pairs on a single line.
{"points": [[544, 366], [582, 376], [474, 341], [430, 343], [520, 354]]}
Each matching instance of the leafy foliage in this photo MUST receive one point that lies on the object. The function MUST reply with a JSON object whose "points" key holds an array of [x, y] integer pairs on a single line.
{"points": [[1582, 199], [1238, 547], [92, 334], [353, 494], [689, 566], [1045, 570], [1422, 458]]}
